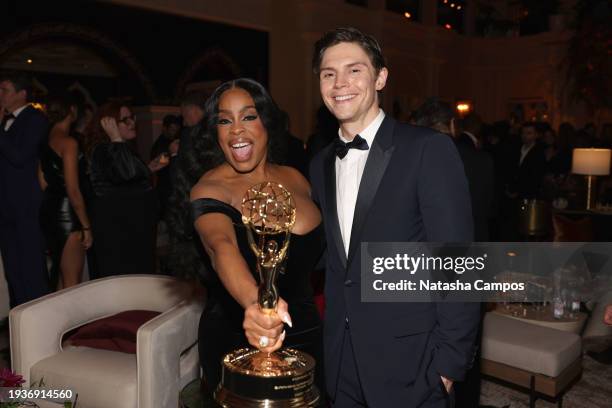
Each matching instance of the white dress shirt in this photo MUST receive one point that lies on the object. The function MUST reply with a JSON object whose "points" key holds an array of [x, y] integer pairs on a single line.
{"points": [[348, 177], [16, 113], [524, 151]]}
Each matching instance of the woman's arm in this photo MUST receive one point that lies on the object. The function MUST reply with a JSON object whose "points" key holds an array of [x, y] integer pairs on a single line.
{"points": [[219, 239], [70, 158]]}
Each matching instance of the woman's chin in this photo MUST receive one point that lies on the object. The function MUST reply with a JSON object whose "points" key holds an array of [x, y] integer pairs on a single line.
{"points": [[242, 167]]}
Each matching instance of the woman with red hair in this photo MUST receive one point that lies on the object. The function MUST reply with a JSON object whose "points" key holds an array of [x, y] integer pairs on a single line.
{"points": [[124, 206]]}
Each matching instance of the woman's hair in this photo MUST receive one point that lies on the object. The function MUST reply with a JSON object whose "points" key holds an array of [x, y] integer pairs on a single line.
{"points": [[200, 152], [58, 107], [94, 133]]}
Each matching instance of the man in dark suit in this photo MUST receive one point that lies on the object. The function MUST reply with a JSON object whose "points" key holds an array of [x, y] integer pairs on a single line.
{"points": [[22, 131], [477, 163], [529, 164], [383, 181]]}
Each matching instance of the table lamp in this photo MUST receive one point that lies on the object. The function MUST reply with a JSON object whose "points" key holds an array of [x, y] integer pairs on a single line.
{"points": [[591, 163]]}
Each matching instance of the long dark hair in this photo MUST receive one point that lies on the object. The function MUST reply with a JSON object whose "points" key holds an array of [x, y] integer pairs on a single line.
{"points": [[202, 153]]}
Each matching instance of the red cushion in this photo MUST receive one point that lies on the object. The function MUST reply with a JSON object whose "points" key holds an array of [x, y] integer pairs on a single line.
{"points": [[116, 333]]}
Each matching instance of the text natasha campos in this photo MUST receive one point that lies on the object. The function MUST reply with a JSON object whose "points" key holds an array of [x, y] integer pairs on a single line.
{"points": [[430, 285]]}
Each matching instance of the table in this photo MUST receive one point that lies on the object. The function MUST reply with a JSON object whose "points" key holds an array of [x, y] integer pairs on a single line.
{"points": [[191, 397], [543, 317]]}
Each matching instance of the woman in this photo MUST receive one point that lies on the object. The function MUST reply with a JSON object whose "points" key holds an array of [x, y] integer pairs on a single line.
{"points": [[64, 218], [124, 206], [244, 122]]}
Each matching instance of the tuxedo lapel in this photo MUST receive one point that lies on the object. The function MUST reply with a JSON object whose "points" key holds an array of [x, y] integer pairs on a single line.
{"points": [[331, 208], [378, 159]]}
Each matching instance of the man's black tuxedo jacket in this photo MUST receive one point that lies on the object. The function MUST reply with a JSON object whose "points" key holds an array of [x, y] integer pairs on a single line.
{"points": [[527, 177], [19, 153], [413, 189]]}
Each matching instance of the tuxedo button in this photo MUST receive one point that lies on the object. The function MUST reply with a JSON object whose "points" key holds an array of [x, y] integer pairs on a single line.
{"points": [[348, 282], [346, 322]]}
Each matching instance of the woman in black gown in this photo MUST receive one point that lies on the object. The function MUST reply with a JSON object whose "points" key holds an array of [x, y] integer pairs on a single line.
{"points": [[244, 124], [64, 218], [124, 207]]}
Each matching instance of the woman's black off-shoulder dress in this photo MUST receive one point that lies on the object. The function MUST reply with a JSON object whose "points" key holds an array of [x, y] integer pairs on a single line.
{"points": [[221, 329]]}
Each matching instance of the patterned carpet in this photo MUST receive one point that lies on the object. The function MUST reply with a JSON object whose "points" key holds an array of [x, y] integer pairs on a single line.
{"points": [[594, 390]]}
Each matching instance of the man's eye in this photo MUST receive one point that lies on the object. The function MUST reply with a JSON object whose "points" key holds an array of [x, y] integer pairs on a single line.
{"points": [[327, 75], [355, 70]]}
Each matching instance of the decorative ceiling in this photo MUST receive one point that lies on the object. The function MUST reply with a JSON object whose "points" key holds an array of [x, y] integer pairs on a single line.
{"points": [[60, 57]]}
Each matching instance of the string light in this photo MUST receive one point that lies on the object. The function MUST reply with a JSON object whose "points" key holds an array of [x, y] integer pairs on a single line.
{"points": [[448, 26], [29, 61], [407, 15], [452, 5], [458, 7]]}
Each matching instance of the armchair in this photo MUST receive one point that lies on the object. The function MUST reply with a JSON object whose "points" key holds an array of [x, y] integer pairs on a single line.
{"points": [[165, 361]]}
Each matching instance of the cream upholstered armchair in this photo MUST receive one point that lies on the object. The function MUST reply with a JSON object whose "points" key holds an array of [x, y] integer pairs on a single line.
{"points": [[166, 358]]}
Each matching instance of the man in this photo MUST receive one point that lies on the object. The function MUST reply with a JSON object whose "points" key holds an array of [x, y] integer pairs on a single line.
{"points": [[183, 244], [22, 131], [167, 144], [477, 164], [529, 164], [393, 182], [192, 111]]}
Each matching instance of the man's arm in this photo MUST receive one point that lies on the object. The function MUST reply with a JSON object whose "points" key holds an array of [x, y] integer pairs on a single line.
{"points": [[24, 146], [444, 202]]}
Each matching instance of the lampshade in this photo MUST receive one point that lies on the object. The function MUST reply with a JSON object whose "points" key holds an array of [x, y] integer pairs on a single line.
{"points": [[591, 162]]}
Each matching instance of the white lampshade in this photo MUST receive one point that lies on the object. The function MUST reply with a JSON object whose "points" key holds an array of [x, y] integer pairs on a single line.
{"points": [[591, 162]]}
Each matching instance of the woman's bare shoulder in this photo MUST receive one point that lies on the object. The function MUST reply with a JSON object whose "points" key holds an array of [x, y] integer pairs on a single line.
{"points": [[211, 185], [293, 179]]}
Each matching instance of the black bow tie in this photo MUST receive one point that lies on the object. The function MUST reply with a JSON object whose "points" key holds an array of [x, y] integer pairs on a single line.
{"points": [[357, 143]]}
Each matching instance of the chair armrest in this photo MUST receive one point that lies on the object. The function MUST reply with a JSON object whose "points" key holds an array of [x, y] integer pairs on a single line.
{"points": [[36, 328], [160, 343]]}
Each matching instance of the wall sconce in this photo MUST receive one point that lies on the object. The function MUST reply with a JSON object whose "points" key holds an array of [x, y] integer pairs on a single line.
{"points": [[464, 107]]}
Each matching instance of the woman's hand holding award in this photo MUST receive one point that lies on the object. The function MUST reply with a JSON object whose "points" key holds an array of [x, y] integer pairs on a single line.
{"points": [[284, 378]]}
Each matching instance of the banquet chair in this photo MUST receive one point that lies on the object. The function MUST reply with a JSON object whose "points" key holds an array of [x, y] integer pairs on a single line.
{"points": [[166, 356]]}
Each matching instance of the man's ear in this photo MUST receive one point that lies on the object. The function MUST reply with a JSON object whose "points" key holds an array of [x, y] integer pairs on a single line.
{"points": [[381, 79]]}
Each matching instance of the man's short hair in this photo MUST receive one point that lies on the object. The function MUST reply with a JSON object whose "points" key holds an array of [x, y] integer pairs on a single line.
{"points": [[433, 112], [349, 35], [21, 82], [195, 98], [171, 120]]}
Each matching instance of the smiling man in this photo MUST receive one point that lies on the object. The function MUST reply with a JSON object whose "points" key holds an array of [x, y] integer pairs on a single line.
{"points": [[382, 181]]}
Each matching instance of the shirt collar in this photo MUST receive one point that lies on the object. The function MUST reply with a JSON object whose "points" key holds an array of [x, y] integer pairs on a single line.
{"points": [[370, 131], [16, 112]]}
